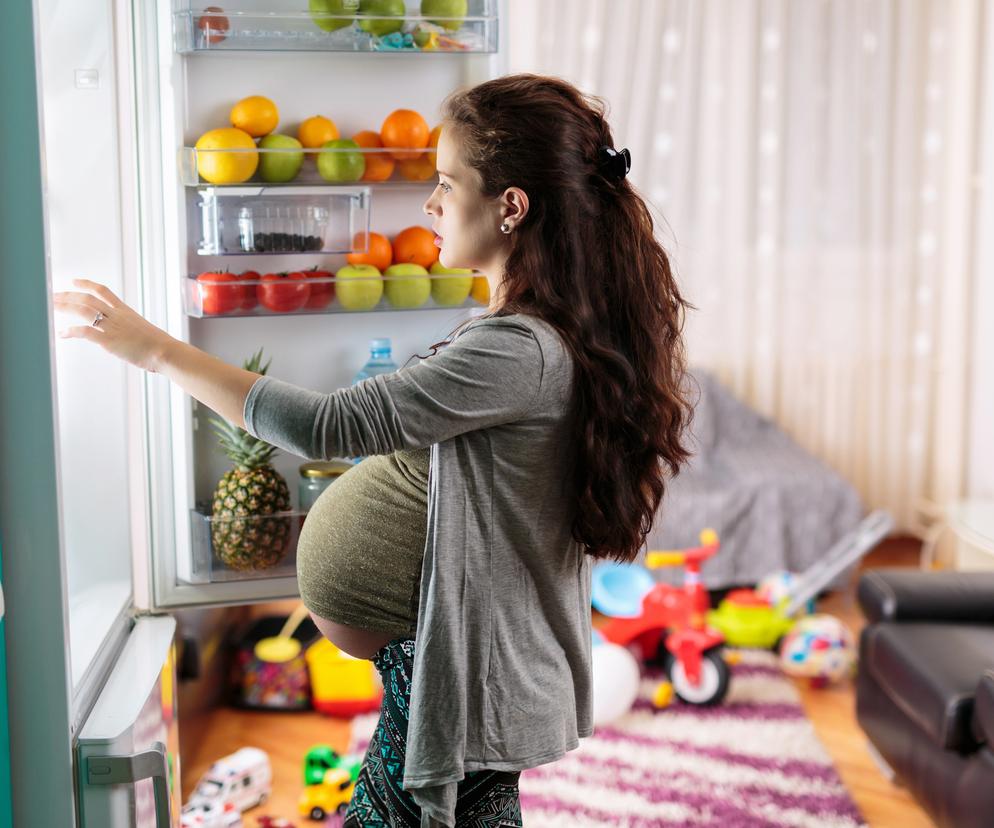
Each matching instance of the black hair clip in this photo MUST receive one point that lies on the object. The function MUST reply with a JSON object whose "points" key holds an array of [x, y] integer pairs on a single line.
{"points": [[614, 164]]}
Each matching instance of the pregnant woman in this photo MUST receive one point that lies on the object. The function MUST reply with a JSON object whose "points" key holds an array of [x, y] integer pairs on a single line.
{"points": [[537, 439]]}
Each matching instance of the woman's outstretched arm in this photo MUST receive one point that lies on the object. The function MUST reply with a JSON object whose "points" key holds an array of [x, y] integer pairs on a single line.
{"points": [[127, 335]]}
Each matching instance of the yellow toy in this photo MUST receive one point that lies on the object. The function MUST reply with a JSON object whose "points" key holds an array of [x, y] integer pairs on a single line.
{"points": [[340, 684], [331, 795]]}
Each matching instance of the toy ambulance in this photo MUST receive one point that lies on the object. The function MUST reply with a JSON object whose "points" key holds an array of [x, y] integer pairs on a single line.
{"points": [[243, 780]]}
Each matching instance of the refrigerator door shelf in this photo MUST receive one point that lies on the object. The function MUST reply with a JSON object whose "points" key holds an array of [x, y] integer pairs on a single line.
{"points": [[238, 220], [333, 170], [280, 27], [241, 549], [127, 753]]}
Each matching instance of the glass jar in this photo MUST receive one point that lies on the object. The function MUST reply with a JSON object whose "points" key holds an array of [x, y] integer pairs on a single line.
{"points": [[316, 477]]}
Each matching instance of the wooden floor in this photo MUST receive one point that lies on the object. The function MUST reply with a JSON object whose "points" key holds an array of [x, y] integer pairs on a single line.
{"points": [[287, 736]]}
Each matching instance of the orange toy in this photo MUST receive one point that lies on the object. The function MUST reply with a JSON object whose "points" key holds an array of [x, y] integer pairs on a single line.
{"points": [[415, 244], [379, 165], [379, 255], [405, 128]]}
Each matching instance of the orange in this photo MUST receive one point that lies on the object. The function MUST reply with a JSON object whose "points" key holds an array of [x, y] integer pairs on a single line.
{"points": [[405, 128], [481, 290], [421, 169], [316, 131], [255, 115], [379, 255], [415, 244], [220, 167], [379, 165]]}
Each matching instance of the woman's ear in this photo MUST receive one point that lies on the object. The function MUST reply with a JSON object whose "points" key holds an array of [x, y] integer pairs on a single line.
{"points": [[514, 205]]}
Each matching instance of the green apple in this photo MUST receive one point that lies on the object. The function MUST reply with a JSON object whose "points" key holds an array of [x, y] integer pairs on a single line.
{"points": [[455, 9], [408, 292], [341, 166], [318, 7], [382, 25], [362, 294], [280, 167], [453, 287]]}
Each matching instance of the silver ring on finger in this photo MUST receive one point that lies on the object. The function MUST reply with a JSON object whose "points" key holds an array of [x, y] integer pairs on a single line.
{"points": [[100, 317]]}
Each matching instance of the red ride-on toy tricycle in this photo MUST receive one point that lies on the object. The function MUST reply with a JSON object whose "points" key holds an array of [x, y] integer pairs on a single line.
{"points": [[672, 625]]}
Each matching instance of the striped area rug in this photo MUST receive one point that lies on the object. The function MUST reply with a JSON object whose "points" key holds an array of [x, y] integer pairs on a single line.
{"points": [[752, 762]]}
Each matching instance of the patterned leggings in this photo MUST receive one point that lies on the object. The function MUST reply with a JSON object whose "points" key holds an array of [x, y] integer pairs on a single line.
{"points": [[485, 798]]}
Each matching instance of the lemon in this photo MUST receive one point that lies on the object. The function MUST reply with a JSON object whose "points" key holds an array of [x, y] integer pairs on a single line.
{"points": [[220, 167]]}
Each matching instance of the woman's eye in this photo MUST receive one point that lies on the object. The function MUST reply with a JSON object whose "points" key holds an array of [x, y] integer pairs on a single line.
{"points": [[445, 187]]}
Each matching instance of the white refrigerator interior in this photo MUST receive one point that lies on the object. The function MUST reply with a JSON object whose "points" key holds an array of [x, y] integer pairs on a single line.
{"points": [[181, 93]]}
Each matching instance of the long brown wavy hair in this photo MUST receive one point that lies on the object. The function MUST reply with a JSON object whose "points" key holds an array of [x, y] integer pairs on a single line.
{"points": [[585, 260]]}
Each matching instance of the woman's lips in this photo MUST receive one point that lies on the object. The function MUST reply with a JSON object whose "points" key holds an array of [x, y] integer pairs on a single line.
{"points": [[438, 240]]}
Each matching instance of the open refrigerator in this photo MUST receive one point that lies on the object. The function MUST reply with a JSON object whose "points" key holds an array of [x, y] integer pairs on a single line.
{"points": [[125, 90]]}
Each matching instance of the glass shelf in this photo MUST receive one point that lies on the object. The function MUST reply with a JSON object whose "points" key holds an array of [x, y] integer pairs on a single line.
{"points": [[266, 547], [273, 28], [211, 295], [252, 219], [369, 167]]}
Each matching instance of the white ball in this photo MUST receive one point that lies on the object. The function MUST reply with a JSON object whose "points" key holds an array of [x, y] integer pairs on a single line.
{"points": [[616, 678]]}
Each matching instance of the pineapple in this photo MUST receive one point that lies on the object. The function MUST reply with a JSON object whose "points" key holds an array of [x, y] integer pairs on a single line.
{"points": [[242, 536]]}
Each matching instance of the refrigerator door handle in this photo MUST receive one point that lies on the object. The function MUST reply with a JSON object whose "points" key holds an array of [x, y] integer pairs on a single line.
{"points": [[122, 770]]}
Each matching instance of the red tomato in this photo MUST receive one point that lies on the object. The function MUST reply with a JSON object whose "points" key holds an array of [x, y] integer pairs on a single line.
{"points": [[215, 296], [215, 25], [284, 292], [321, 294], [249, 299]]}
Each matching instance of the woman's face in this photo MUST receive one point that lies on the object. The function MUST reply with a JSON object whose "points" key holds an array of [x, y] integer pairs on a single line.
{"points": [[466, 223]]}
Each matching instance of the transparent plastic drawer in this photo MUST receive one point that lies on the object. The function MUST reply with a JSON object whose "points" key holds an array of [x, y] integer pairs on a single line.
{"points": [[241, 549], [249, 220]]}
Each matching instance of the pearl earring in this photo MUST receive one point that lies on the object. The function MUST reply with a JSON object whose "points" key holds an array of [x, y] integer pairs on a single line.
{"points": [[505, 228]]}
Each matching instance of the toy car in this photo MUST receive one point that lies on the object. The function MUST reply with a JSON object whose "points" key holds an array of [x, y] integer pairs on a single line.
{"points": [[210, 815], [322, 758], [242, 780], [331, 795]]}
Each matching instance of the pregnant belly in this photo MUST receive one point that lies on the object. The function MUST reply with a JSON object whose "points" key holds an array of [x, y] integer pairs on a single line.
{"points": [[361, 547]]}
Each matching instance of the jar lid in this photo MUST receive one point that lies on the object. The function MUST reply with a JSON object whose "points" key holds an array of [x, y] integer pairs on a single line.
{"points": [[330, 468]]}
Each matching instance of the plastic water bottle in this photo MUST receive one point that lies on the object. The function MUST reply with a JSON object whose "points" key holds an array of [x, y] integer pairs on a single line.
{"points": [[379, 362]]}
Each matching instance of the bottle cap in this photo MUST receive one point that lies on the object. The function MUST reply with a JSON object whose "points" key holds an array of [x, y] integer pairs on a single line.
{"points": [[379, 344]]}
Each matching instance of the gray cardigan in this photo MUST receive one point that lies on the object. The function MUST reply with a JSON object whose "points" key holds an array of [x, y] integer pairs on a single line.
{"points": [[502, 671]]}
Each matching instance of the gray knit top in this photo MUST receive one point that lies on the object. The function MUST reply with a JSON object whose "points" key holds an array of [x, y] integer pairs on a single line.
{"points": [[502, 664]]}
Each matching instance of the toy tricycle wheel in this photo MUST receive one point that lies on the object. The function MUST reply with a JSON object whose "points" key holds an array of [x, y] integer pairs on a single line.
{"points": [[713, 684], [317, 813]]}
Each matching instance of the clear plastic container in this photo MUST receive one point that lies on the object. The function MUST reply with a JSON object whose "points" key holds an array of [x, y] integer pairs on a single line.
{"points": [[317, 476], [279, 227]]}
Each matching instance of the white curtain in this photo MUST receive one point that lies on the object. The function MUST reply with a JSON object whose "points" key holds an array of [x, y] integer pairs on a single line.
{"points": [[810, 163]]}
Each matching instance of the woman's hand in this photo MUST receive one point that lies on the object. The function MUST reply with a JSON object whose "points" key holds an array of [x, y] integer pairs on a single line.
{"points": [[113, 325]]}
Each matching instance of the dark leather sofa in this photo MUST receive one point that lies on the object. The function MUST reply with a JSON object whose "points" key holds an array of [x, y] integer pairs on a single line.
{"points": [[925, 687]]}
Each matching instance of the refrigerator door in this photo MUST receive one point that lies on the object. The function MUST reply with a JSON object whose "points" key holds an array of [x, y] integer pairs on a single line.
{"points": [[127, 753]]}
